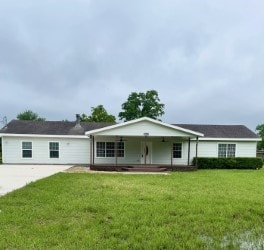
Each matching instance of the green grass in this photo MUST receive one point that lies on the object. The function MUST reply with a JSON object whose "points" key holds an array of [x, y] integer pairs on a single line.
{"points": [[207, 209]]}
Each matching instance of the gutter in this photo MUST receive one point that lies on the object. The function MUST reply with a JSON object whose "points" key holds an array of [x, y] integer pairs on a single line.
{"points": [[44, 136]]}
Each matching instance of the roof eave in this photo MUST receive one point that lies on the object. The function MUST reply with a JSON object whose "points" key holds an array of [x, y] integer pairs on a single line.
{"points": [[229, 139], [43, 136]]}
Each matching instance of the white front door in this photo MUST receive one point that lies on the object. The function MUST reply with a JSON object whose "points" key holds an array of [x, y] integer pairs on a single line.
{"points": [[146, 148]]}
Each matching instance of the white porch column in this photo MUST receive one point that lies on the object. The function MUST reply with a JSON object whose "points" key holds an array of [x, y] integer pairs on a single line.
{"points": [[196, 151], [116, 151], [189, 143], [91, 150], [171, 154], [145, 150]]}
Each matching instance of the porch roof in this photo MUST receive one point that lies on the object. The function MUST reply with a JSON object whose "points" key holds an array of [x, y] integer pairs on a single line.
{"points": [[144, 127]]}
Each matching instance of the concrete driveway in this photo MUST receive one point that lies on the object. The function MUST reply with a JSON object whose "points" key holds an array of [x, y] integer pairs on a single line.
{"points": [[16, 176]]}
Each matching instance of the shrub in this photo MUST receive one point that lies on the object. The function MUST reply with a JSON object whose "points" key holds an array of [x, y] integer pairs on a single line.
{"points": [[228, 163]]}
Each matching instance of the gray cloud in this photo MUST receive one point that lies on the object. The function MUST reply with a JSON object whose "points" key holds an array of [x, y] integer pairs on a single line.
{"points": [[203, 57]]}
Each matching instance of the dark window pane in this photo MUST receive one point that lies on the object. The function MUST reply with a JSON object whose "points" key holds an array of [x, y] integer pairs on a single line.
{"points": [[231, 150], [110, 152], [54, 154], [54, 146], [222, 150], [26, 145], [27, 153], [120, 153], [109, 149], [100, 149]]}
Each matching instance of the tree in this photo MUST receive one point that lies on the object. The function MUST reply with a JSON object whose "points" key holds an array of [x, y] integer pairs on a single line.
{"points": [[29, 115], [98, 114], [0, 150], [260, 132], [142, 105]]}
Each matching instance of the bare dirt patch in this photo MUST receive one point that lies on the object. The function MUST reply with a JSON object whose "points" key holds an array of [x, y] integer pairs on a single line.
{"points": [[78, 169]]}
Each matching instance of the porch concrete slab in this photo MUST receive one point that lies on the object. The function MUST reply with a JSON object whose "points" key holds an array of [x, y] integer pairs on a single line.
{"points": [[16, 176]]}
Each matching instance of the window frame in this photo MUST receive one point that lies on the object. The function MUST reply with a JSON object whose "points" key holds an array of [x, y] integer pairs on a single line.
{"points": [[109, 152], [230, 150], [54, 150], [27, 149], [174, 150]]}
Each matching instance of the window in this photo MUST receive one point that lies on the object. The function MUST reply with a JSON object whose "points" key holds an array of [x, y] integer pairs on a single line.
{"points": [[100, 149], [108, 149], [26, 149], [177, 150], [54, 149], [221, 150], [120, 149], [226, 150]]}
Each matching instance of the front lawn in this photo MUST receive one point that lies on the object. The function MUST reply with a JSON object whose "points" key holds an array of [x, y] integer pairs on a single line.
{"points": [[210, 209]]}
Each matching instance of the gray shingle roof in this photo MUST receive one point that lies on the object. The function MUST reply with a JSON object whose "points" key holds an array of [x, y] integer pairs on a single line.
{"points": [[220, 131], [70, 128], [50, 127]]}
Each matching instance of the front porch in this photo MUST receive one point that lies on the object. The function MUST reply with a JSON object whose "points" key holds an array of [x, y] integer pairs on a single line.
{"points": [[143, 144]]}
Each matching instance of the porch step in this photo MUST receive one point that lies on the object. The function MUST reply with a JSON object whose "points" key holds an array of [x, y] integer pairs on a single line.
{"points": [[143, 168]]}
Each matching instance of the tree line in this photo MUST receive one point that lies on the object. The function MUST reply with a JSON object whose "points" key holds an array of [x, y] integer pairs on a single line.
{"points": [[137, 105]]}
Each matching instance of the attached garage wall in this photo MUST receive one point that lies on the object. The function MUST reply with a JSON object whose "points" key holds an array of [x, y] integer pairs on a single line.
{"points": [[71, 151]]}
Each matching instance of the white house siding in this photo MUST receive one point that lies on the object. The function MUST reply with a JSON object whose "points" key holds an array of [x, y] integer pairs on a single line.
{"points": [[71, 150], [205, 149], [246, 149], [162, 152], [77, 151], [140, 128], [210, 148]]}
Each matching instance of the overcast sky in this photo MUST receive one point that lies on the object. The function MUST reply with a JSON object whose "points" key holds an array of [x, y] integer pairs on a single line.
{"points": [[205, 58]]}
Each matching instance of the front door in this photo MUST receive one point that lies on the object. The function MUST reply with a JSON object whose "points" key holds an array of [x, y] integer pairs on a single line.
{"points": [[146, 149]]}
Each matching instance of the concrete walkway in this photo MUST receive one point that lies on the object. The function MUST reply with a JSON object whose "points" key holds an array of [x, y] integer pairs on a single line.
{"points": [[16, 176]]}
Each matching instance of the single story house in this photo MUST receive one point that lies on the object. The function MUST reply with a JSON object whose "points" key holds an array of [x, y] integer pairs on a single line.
{"points": [[139, 142]]}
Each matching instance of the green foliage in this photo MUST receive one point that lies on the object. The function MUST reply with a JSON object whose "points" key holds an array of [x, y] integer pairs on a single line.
{"points": [[98, 114], [228, 163], [0, 145], [260, 132], [142, 105], [29, 115], [205, 209]]}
